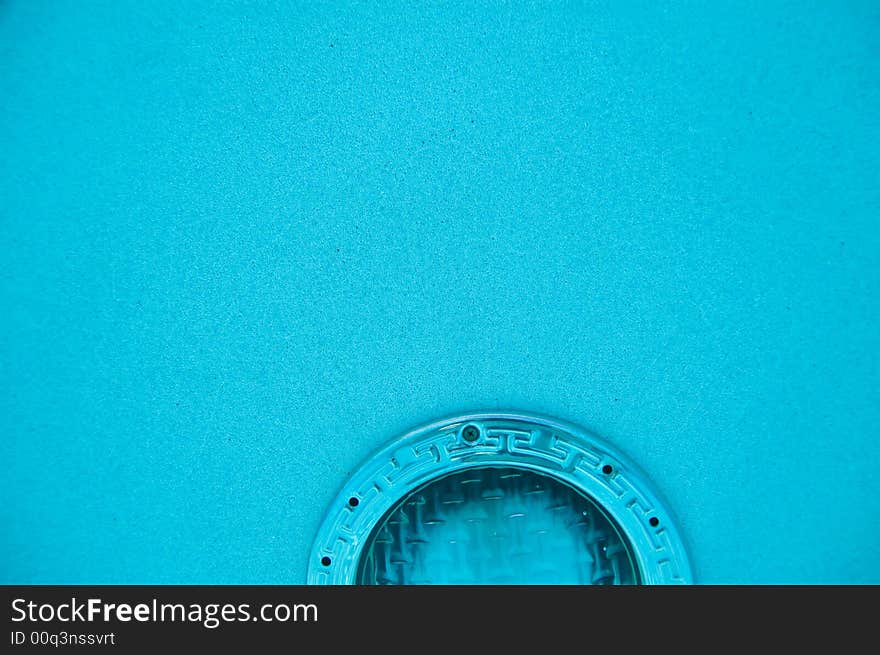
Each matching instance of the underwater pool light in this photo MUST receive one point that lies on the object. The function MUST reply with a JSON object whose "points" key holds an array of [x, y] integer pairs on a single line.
{"points": [[498, 499]]}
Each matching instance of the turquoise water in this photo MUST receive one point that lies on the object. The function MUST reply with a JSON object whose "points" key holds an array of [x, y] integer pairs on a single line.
{"points": [[244, 247]]}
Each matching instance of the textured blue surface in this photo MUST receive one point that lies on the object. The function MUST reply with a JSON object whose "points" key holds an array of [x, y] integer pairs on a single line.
{"points": [[244, 247]]}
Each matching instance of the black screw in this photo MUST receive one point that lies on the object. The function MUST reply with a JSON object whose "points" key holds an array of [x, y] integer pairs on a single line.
{"points": [[353, 502], [471, 433], [325, 561], [654, 521], [608, 469]]}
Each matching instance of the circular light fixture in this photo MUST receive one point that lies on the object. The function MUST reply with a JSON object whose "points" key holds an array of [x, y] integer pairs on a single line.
{"points": [[498, 499]]}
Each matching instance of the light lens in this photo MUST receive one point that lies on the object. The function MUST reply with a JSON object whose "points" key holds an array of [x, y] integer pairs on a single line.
{"points": [[496, 525]]}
